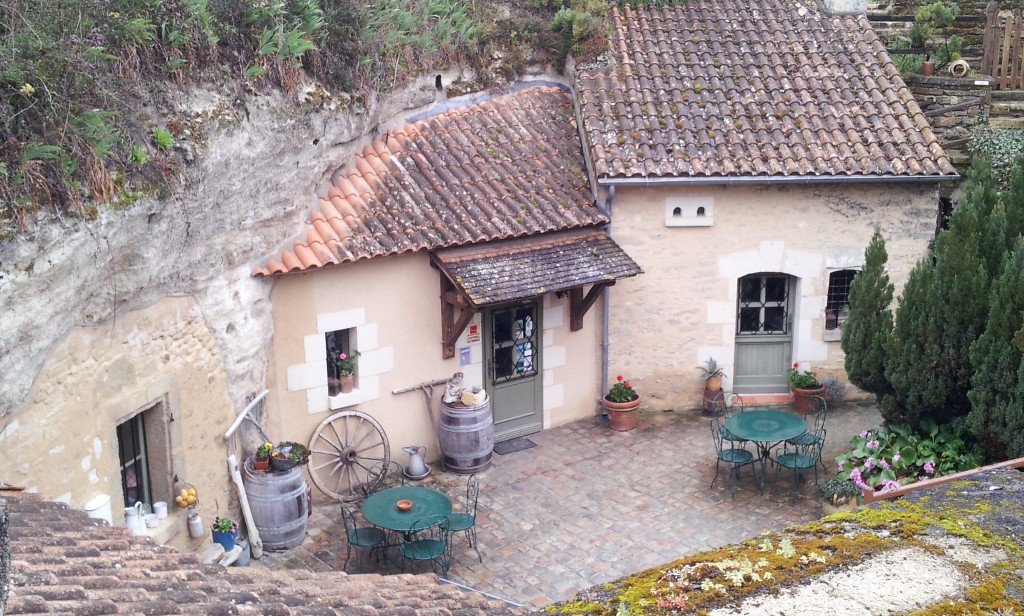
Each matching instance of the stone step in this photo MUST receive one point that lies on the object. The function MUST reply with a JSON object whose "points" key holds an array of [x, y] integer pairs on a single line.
{"points": [[1007, 95], [1007, 108], [1004, 122]]}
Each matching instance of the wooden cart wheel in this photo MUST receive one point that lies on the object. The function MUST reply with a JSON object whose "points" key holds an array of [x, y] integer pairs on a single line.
{"points": [[341, 452]]}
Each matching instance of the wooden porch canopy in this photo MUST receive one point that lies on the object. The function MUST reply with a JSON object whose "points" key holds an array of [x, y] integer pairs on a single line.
{"points": [[505, 271]]}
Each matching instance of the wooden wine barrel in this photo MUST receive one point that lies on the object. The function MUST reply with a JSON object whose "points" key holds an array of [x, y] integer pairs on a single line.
{"points": [[466, 437], [279, 502]]}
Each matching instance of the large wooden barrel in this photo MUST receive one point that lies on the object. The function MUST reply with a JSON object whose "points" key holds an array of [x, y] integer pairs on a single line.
{"points": [[280, 505], [467, 437]]}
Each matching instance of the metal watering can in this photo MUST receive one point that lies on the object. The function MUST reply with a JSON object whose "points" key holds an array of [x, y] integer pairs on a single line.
{"points": [[416, 468]]}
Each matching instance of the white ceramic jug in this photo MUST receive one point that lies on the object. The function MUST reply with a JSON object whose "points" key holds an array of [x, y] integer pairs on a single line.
{"points": [[134, 518], [416, 469]]}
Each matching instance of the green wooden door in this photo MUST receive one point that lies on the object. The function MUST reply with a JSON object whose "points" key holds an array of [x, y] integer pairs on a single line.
{"points": [[764, 337], [512, 336]]}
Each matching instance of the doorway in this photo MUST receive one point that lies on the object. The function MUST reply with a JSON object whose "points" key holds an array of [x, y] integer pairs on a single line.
{"points": [[764, 337], [512, 340]]}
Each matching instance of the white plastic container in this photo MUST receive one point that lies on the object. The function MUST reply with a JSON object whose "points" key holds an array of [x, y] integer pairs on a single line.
{"points": [[152, 520], [99, 507]]}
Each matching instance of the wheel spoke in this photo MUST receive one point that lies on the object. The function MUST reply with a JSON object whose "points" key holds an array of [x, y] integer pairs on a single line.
{"points": [[344, 448]]}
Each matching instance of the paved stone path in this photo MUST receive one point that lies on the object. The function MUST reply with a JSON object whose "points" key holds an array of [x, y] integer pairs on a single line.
{"points": [[588, 505]]}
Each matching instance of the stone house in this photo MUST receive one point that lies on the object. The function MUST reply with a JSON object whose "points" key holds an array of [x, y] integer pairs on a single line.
{"points": [[464, 242], [746, 152], [739, 156]]}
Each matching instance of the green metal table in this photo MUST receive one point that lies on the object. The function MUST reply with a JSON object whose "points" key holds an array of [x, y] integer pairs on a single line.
{"points": [[766, 429], [381, 508]]}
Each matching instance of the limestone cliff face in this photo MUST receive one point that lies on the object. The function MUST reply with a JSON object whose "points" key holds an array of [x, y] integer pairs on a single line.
{"points": [[254, 165]]}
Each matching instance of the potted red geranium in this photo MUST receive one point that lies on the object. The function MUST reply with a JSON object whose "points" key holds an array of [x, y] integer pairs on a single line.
{"points": [[621, 403], [805, 385]]}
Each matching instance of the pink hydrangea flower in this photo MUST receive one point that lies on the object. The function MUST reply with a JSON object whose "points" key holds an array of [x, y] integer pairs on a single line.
{"points": [[869, 463], [872, 444], [896, 457], [883, 463], [929, 467]]}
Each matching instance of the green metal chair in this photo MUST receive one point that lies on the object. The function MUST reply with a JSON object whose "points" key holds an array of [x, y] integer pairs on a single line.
{"points": [[465, 521], [800, 459], [429, 540], [382, 476], [736, 457], [815, 422], [359, 536], [724, 405]]}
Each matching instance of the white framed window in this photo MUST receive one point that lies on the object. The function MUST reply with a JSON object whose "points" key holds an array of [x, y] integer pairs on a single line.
{"points": [[340, 341], [837, 302], [143, 449]]}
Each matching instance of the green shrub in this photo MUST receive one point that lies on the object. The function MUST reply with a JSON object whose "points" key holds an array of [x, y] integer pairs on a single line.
{"points": [[887, 458], [867, 333]]}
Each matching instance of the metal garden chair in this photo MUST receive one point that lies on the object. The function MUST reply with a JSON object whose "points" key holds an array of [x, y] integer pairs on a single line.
{"points": [[429, 540], [359, 536], [726, 404], [815, 422], [801, 458], [735, 456], [383, 476], [465, 521]]}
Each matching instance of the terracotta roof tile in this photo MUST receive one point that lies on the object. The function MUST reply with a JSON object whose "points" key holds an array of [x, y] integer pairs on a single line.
{"points": [[510, 166], [62, 561], [770, 88]]}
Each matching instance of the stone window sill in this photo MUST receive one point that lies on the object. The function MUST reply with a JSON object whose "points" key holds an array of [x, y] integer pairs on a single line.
{"points": [[343, 400]]}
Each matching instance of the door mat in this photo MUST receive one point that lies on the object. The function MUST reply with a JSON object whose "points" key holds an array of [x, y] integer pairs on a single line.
{"points": [[520, 443]]}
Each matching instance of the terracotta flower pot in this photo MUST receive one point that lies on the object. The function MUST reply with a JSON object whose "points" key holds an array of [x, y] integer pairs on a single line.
{"points": [[261, 465], [622, 415], [713, 383], [802, 398], [347, 384]]}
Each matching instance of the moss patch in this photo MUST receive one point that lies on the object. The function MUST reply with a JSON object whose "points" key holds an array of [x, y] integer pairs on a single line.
{"points": [[986, 512]]}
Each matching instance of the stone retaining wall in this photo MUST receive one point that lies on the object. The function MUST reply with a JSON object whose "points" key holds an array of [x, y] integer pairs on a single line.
{"points": [[934, 93]]}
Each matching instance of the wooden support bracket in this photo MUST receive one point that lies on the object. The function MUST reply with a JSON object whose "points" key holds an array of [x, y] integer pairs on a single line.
{"points": [[579, 305], [452, 326]]}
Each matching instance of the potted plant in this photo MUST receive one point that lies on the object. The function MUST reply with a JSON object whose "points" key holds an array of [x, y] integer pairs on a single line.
{"points": [[712, 376], [805, 385], [346, 364], [621, 403], [261, 459], [225, 531], [838, 495], [287, 455]]}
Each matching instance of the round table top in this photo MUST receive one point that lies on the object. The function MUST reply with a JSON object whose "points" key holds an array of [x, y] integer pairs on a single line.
{"points": [[766, 425], [381, 508]]}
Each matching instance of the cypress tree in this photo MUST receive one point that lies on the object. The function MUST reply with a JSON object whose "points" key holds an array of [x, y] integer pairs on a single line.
{"points": [[915, 350], [997, 410], [867, 333], [944, 307]]}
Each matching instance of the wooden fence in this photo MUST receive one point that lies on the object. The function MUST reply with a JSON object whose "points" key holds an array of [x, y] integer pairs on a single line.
{"points": [[1003, 54]]}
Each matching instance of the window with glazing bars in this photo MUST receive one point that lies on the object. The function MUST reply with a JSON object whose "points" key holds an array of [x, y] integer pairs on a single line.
{"points": [[514, 335], [838, 296], [131, 445], [763, 304]]}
